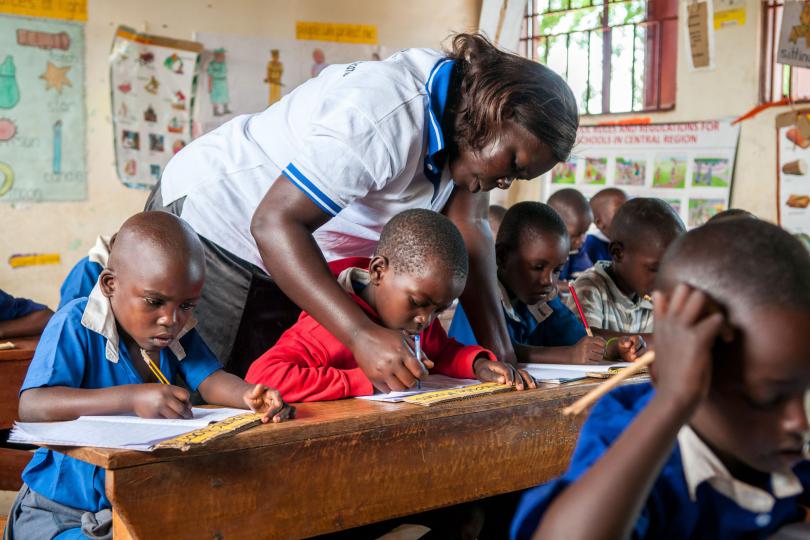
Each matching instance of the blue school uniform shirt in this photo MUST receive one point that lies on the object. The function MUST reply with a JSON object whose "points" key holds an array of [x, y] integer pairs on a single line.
{"points": [[575, 265], [596, 249], [80, 348], [13, 308], [671, 512], [80, 281], [83, 276], [547, 324]]}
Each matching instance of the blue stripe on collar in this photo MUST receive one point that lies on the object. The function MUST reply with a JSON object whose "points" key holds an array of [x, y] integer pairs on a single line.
{"points": [[437, 86]]}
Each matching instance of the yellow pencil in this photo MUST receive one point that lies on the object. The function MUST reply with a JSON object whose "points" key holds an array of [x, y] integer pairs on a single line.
{"points": [[153, 368]]}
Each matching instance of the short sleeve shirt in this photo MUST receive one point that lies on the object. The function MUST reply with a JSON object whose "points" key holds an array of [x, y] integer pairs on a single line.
{"points": [[359, 141], [13, 308], [73, 355]]}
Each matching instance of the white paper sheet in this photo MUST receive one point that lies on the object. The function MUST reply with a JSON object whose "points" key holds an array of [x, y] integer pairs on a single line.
{"points": [[125, 431], [434, 382], [563, 373]]}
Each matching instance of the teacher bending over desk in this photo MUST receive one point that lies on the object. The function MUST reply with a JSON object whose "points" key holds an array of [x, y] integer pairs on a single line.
{"points": [[315, 177]]}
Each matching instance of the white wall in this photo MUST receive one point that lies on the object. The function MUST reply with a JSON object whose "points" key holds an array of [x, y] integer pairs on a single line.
{"points": [[730, 90], [71, 228]]}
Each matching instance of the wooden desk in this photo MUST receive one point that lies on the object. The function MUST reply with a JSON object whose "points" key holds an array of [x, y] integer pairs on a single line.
{"points": [[13, 367], [341, 464]]}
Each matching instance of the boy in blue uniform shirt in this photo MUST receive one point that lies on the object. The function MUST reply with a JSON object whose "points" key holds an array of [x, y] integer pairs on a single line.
{"points": [[531, 246], [21, 317], [573, 208], [604, 205], [84, 275], [91, 361], [716, 449]]}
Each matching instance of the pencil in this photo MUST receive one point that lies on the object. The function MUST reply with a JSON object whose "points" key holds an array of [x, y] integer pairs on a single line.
{"points": [[579, 308], [417, 343], [588, 399], [154, 369]]}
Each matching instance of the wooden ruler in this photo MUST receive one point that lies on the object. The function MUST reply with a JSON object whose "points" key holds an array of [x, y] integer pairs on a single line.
{"points": [[454, 394], [204, 435]]}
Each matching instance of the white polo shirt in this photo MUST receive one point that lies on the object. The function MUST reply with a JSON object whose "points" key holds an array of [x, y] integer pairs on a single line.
{"points": [[363, 141]]}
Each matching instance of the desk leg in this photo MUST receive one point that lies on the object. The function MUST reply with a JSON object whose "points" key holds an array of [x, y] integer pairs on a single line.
{"points": [[120, 529]]}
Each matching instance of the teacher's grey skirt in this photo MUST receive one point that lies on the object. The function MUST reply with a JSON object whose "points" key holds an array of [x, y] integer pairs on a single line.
{"points": [[242, 311]]}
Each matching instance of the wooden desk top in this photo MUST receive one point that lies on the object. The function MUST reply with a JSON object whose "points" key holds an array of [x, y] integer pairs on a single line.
{"points": [[342, 464], [25, 347]]}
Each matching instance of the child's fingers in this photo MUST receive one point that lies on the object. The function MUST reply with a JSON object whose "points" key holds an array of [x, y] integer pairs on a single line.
{"points": [[528, 380], [660, 305]]}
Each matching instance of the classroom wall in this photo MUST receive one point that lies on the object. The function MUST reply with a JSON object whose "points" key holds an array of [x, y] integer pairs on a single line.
{"points": [[71, 228], [729, 90]]}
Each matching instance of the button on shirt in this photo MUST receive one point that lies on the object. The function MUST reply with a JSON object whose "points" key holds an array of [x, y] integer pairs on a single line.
{"points": [[80, 348], [362, 141]]}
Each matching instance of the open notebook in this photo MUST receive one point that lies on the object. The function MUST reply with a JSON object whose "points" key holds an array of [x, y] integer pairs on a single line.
{"points": [[433, 383], [124, 431]]}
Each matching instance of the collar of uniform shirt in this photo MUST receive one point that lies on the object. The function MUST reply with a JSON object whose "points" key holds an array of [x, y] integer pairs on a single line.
{"points": [[437, 86]]}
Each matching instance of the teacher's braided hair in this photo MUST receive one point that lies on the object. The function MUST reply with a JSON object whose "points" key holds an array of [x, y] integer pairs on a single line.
{"points": [[493, 86]]}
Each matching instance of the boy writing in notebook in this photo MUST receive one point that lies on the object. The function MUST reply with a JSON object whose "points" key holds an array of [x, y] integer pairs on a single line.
{"points": [[418, 269], [714, 448], [92, 360], [604, 204], [614, 295], [573, 208], [531, 247]]}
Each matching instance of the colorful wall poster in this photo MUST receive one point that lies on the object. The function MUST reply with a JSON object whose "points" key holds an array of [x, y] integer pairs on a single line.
{"points": [[793, 155], [794, 36], [244, 74], [42, 113], [336, 32], [689, 165], [152, 85]]}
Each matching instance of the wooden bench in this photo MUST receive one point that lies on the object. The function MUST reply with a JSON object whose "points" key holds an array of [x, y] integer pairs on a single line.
{"points": [[341, 464]]}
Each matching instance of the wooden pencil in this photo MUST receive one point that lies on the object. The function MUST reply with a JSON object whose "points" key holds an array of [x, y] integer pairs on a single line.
{"points": [[153, 368], [579, 308], [591, 397]]}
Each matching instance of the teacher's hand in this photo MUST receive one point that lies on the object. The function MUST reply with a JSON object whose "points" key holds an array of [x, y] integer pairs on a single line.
{"points": [[382, 355]]}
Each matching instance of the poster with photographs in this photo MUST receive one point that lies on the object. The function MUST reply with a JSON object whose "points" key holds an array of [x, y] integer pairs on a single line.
{"points": [[793, 154], [153, 83], [690, 165]]}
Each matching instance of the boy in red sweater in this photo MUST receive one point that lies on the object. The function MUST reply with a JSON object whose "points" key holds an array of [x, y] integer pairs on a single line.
{"points": [[418, 269]]}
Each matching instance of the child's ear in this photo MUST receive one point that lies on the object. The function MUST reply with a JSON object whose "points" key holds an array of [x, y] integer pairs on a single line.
{"points": [[377, 268], [599, 224], [107, 282], [616, 251]]}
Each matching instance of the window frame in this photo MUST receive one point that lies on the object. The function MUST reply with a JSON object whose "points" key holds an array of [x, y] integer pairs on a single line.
{"points": [[659, 83]]}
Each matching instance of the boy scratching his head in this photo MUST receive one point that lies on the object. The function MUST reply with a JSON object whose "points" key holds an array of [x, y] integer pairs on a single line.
{"points": [[418, 269], [714, 448], [531, 248], [92, 360], [615, 295], [604, 204]]}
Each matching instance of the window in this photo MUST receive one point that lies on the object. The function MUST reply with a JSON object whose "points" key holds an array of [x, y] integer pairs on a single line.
{"points": [[778, 81], [617, 55]]}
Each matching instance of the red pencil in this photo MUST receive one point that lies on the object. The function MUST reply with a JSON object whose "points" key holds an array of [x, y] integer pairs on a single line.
{"points": [[579, 307]]}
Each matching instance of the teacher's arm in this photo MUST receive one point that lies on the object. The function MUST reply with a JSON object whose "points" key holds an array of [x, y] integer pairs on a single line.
{"points": [[282, 227], [468, 211]]}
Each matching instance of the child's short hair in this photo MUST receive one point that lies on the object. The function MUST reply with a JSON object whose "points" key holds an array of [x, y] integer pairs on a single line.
{"points": [[746, 262], [529, 218], [415, 240], [641, 218], [569, 199], [731, 213]]}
